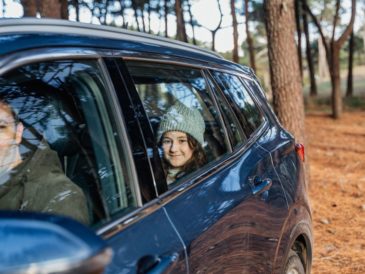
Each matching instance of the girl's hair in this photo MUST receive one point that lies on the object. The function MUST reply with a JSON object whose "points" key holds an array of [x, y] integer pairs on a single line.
{"points": [[197, 160]]}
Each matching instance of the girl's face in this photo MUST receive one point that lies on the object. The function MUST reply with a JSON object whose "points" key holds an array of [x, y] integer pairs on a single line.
{"points": [[177, 151]]}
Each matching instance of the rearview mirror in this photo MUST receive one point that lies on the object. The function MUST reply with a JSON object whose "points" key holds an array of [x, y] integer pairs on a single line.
{"points": [[40, 243]]}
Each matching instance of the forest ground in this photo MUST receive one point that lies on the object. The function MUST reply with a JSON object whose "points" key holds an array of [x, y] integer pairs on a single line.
{"points": [[336, 151]]}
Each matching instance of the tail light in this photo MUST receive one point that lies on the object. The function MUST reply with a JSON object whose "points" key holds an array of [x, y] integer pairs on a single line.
{"points": [[299, 148]]}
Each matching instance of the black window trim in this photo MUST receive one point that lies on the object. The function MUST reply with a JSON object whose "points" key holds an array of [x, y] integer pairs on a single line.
{"points": [[111, 100], [145, 128]]}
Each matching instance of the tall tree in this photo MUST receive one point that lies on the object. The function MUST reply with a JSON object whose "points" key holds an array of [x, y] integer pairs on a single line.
{"points": [[30, 8], [251, 49], [284, 68], [192, 21], [135, 13], [350, 87], [235, 32], [51, 8], [46, 8], [166, 13], [332, 48], [4, 7], [180, 22], [76, 5], [298, 12], [309, 55]]}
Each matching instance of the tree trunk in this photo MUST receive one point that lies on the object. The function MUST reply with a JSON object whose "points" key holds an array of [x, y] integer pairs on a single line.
{"points": [[311, 72], [180, 22], [214, 31], [50, 8], [336, 83], [251, 49], [166, 12], [333, 54], [4, 7], [323, 70], [299, 34], [122, 10], [29, 7], [64, 9], [143, 20], [284, 68], [213, 40], [349, 91], [136, 17], [235, 33], [76, 5], [191, 21]]}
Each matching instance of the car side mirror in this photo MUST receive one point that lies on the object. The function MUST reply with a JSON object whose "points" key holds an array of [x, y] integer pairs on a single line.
{"points": [[42, 243]]}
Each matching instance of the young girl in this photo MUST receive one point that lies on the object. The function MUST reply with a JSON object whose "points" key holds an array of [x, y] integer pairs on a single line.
{"points": [[181, 135]]}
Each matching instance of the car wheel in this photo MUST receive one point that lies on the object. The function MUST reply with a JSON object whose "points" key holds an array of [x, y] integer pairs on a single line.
{"points": [[294, 265]]}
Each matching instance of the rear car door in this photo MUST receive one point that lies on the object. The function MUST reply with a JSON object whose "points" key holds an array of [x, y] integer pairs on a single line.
{"points": [[69, 106], [227, 214]]}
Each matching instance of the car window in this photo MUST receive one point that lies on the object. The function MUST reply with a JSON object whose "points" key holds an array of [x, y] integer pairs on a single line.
{"points": [[244, 106], [177, 101], [60, 151]]}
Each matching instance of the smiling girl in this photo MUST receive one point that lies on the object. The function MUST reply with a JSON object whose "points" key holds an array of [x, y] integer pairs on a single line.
{"points": [[181, 136]]}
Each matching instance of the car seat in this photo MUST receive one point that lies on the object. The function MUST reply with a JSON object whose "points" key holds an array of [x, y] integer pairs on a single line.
{"points": [[52, 114]]}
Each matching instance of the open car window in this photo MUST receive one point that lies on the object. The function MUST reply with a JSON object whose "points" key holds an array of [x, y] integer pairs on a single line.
{"points": [[164, 89]]}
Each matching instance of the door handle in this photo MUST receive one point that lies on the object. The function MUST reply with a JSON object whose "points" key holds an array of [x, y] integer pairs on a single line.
{"points": [[259, 186], [156, 265]]}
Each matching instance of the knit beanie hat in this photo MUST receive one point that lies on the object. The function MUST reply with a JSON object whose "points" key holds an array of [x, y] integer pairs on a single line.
{"points": [[181, 118]]}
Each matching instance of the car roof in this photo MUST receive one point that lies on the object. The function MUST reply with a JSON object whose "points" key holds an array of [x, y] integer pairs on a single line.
{"points": [[26, 33]]}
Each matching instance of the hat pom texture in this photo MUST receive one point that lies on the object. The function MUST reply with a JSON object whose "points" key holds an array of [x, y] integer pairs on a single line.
{"points": [[181, 118]]}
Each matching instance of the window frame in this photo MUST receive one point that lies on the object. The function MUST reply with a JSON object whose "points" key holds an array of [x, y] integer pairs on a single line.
{"points": [[184, 181], [109, 96], [194, 178]]}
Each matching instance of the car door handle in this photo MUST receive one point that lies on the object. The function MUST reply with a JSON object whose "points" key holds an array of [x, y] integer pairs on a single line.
{"points": [[156, 265], [259, 186]]}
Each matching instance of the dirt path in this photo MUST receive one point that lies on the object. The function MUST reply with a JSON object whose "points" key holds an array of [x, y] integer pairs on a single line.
{"points": [[337, 192]]}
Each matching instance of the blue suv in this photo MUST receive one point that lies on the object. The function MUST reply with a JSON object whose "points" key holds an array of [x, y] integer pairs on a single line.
{"points": [[123, 152]]}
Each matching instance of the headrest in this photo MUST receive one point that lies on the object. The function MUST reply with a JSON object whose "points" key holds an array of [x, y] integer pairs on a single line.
{"points": [[47, 112]]}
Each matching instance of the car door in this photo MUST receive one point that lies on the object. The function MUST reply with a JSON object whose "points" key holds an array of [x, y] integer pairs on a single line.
{"points": [[230, 212], [69, 105], [143, 240]]}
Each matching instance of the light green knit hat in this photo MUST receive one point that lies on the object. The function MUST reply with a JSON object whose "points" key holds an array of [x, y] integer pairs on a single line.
{"points": [[181, 118]]}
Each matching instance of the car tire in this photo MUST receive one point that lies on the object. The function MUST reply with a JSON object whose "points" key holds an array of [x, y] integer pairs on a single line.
{"points": [[294, 265]]}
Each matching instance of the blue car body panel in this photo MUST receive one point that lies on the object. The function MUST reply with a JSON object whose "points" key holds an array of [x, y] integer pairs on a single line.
{"points": [[152, 238]]}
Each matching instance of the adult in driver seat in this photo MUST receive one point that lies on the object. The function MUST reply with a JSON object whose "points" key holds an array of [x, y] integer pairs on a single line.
{"points": [[35, 183]]}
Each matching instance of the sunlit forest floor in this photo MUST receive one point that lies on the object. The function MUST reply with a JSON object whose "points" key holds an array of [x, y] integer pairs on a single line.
{"points": [[337, 191], [336, 151]]}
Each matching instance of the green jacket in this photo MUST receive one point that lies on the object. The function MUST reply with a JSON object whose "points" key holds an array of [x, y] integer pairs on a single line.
{"points": [[39, 184]]}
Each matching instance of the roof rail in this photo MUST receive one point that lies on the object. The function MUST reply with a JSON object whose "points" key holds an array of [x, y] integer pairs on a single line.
{"points": [[28, 25]]}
